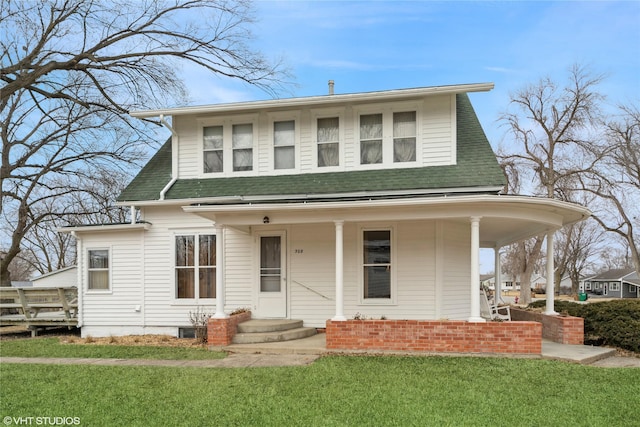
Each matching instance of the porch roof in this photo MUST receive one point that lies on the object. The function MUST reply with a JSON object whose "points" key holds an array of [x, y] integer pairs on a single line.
{"points": [[503, 219]]}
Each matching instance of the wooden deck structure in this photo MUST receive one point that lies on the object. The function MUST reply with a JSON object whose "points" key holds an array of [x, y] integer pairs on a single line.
{"points": [[38, 308]]}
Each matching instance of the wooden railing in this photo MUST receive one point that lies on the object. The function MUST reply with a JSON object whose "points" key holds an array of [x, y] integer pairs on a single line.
{"points": [[35, 307]]}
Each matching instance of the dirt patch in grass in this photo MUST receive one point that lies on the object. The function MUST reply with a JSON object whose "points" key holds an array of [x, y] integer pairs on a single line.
{"points": [[133, 340]]}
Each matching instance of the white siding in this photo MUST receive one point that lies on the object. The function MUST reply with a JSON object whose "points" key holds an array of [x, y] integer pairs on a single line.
{"points": [[436, 144], [457, 271], [61, 278], [117, 306]]}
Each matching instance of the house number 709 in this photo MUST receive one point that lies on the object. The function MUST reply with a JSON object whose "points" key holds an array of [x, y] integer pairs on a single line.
{"points": [[298, 251]]}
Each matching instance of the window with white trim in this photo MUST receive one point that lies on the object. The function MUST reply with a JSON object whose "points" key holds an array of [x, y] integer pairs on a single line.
{"points": [[376, 264], [614, 286], [213, 149], [284, 140], [328, 139], [388, 136], [228, 145], [195, 266], [98, 270]]}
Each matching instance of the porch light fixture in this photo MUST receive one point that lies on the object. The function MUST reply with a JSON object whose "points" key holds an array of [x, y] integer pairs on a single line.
{"points": [[265, 220]]}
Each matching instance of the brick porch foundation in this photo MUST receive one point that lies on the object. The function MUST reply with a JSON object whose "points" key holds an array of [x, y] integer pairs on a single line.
{"points": [[436, 336], [220, 332], [560, 329]]}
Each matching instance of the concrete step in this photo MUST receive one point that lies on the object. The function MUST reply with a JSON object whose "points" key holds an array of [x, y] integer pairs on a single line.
{"points": [[273, 336], [268, 325]]}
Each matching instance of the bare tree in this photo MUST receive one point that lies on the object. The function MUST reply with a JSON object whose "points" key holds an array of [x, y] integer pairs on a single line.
{"points": [[575, 246], [616, 181], [551, 127], [72, 69]]}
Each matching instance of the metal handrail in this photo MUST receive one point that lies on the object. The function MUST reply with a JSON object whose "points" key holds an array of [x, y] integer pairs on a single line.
{"points": [[312, 290]]}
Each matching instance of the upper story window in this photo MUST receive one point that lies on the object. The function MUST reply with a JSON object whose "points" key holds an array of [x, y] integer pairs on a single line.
{"points": [[388, 135], [228, 145], [98, 269], [328, 136], [284, 139], [370, 139], [213, 147], [242, 145], [404, 136]]}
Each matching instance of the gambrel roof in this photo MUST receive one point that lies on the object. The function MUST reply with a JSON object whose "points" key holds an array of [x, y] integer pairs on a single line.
{"points": [[476, 171]]}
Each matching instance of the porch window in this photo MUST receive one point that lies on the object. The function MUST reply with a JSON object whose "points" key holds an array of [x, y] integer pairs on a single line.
{"points": [[213, 146], [284, 138], [242, 142], [328, 134], [195, 266], [404, 137], [376, 264], [614, 286], [98, 269]]}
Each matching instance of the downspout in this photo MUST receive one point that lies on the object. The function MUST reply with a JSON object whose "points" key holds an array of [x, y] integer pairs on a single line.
{"points": [[174, 157]]}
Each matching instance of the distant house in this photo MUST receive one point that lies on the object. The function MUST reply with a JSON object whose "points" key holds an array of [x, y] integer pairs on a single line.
{"points": [[21, 283], [616, 283], [64, 277]]}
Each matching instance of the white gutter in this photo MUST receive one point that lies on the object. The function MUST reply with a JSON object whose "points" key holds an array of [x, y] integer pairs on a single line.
{"points": [[313, 101], [174, 157]]}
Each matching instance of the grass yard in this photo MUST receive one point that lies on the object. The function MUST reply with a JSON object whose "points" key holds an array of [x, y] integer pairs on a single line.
{"points": [[333, 391], [52, 347]]}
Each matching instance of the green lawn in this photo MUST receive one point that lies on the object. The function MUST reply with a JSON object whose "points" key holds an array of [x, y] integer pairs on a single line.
{"points": [[333, 391], [51, 347]]}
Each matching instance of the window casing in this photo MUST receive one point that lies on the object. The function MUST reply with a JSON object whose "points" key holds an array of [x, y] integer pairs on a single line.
{"points": [[228, 146], [389, 136], [284, 144], [377, 266], [614, 286], [328, 140], [98, 271], [195, 266]]}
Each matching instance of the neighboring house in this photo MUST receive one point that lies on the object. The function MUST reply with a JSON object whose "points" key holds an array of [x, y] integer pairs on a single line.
{"points": [[21, 283], [65, 277], [311, 208], [616, 283]]}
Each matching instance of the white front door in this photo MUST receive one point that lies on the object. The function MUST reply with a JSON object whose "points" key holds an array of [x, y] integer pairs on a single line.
{"points": [[271, 275]]}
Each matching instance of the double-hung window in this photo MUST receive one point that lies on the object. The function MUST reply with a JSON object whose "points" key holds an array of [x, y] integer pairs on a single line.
{"points": [[242, 144], [404, 137], [98, 269], [388, 136], [284, 139], [328, 135], [213, 147], [195, 266], [227, 145], [376, 264]]}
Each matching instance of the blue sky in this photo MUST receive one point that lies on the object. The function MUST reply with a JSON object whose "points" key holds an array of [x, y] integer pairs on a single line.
{"points": [[368, 46]]}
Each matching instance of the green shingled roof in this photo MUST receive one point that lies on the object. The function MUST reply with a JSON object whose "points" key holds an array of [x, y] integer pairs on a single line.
{"points": [[476, 167]]}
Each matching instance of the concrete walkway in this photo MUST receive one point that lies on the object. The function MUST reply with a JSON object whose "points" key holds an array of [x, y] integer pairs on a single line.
{"points": [[305, 351]]}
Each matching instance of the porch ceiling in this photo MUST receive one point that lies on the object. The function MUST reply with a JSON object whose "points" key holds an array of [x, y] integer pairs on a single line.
{"points": [[504, 219]]}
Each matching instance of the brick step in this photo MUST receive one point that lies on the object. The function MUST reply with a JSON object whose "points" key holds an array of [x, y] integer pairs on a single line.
{"points": [[268, 325], [273, 336]]}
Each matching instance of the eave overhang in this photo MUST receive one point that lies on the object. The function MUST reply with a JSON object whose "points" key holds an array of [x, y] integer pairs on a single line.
{"points": [[504, 219], [104, 228], [316, 101]]}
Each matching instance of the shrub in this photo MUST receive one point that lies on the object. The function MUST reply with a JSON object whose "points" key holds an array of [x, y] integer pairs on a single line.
{"points": [[613, 323]]}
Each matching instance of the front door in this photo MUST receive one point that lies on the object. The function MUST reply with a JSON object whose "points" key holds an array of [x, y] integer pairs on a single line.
{"points": [[272, 275]]}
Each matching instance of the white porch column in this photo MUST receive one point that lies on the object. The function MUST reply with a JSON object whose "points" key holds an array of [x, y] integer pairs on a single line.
{"points": [[475, 270], [220, 285], [497, 276], [551, 286], [339, 272]]}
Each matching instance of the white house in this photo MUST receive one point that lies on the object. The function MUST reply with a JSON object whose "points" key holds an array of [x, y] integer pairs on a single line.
{"points": [[311, 208]]}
